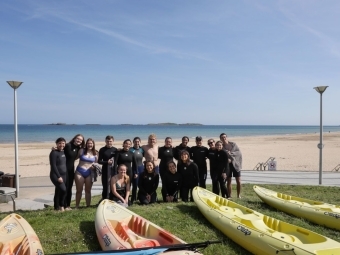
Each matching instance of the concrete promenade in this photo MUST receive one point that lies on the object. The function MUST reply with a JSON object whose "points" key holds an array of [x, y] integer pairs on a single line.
{"points": [[37, 192]]}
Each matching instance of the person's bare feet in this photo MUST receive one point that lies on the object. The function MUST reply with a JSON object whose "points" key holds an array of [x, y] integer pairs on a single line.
{"points": [[68, 209]]}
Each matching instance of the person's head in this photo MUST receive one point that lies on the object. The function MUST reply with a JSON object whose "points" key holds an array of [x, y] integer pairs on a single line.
{"points": [[211, 143], [126, 144], [219, 145], [136, 142], [172, 167], [90, 146], [199, 141], [224, 138], [149, 167], [78, 140], [152, 139], [185, 157], [185, 141], [168, 142], [109, 141], [60, 142], [122, 172]]}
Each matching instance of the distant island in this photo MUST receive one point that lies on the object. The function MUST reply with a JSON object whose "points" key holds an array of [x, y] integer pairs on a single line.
{"points": [[174, 124]]}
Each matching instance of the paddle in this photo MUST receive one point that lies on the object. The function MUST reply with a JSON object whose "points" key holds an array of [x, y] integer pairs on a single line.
{"points": [[151, 251]]}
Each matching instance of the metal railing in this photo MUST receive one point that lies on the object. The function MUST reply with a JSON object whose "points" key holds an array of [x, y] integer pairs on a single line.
{"points": [[262, 166]]}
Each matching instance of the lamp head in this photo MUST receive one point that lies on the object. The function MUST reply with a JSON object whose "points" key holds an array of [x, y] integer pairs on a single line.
{"points": [[321, 89], [14, 84]]}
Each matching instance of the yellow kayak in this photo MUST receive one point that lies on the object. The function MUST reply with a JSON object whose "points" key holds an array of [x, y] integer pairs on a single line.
{"points": [[258, 233], [318, 212], [119, 228], [18, 237]]}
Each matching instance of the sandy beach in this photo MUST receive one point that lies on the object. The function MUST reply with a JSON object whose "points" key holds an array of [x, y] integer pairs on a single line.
{"points": [[291, 152]]}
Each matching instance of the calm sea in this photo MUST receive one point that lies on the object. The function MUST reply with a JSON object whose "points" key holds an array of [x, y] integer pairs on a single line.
{"points": [[49, 133]]}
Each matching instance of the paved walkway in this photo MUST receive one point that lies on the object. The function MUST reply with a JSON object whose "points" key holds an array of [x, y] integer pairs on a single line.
{"points": [[37, 192]]}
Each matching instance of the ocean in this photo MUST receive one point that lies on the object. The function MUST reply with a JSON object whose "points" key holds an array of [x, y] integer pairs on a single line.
{"points": [[49, 133]]}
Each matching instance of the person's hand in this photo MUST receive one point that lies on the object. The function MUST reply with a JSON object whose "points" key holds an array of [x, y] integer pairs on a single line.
{"points": [[224, 176], [54, 148], [168, 199], [110, 161], [229, 160], [171, 199], [136, 176], [148, 197], [125, 201], [60, 180]]}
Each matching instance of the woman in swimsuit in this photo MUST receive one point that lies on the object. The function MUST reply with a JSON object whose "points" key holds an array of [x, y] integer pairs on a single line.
{"points": [[120, 186], [87, 157]]}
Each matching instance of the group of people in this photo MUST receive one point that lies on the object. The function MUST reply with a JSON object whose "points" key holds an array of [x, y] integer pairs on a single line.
{"points": [[135, 167]]}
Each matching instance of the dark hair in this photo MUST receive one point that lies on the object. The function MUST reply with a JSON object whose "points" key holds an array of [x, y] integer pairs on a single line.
{"points": [[136, 138], [185, 137], [222, 135], [109, 137], [171, 162], [126, 140], [166, 138], [82, 145], [153, 167], [198, 138], [187, 153], [94, 151], [60, 139]]}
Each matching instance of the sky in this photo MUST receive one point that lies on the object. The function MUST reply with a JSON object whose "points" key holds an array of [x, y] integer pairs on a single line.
{"points": [[220, 62]]}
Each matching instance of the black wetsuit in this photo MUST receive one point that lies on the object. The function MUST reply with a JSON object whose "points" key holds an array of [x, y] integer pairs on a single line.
{"points": [[190, 179], [213, 171], [222, 166], [106, 153], [165, 154], [171, 185], [147, 185], [128, 159], [178, 150], [58, 169], [199, 155], [71, 152], [139, 154]]}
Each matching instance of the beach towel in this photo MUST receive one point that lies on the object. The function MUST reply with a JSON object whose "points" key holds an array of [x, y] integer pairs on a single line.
{"points": [[96, 172], [236, 156]]}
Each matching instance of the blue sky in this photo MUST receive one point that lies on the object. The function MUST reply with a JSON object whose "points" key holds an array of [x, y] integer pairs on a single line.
{"points": [[213, 62]]}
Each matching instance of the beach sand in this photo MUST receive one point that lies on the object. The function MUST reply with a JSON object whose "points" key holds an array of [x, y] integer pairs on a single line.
{"points": [[291, 152]]}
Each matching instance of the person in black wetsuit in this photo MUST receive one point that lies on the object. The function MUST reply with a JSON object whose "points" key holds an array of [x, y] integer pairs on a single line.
{"points": [[58, 174], [189, 172], [212, 166], [171, 184], [199, 155], [182, 146], [71, 153], [148, 184], [165, 154], [222, 168], [139, 154], [127, 157], [106, 158]]}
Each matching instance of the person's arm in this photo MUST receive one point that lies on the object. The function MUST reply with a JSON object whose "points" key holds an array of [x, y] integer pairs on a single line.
{"points": [[196, 176], [126, 201], [53, 163], [159, 152], [101, 157], [141, 184], [134, 166], [114, 190], [115, 163], [155, 186]]}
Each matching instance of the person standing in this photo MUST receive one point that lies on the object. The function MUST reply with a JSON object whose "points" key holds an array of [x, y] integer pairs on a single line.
{"points": [[199, 154], [212, 166], [71, 153], [165, 154], [151, 151], [58, 173], [106, 158], [189, 173], [148, 184], [138, 152], [235, 163], [222, 169], [127, 158], [182, 146], [87, 157]]}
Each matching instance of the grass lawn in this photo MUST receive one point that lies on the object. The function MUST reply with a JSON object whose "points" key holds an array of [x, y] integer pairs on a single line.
{"points": [[74, 231]]}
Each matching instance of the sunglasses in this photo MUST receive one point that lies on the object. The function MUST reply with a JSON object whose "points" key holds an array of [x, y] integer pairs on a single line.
{"points": [[210, 143]]}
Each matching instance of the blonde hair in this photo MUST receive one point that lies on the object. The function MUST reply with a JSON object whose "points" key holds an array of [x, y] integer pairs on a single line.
{"points": [[152, 136]]}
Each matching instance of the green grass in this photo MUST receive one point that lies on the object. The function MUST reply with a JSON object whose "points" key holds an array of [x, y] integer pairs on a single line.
{"points": [[74, 231]]}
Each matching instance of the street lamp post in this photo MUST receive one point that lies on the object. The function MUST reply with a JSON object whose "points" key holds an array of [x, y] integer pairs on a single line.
{"points": [[320, 90], [15, 85]]}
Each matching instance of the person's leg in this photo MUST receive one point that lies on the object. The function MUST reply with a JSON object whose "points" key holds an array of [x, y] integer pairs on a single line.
{"points": [[104, 182], [229, 186], [69, 185], [134, 189], [153, 198], [222, 183], [191, 198], [88, 187], [238, 186], [215, 183], [185, 194], [79, 180], [56, 197], [202, 179]]}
